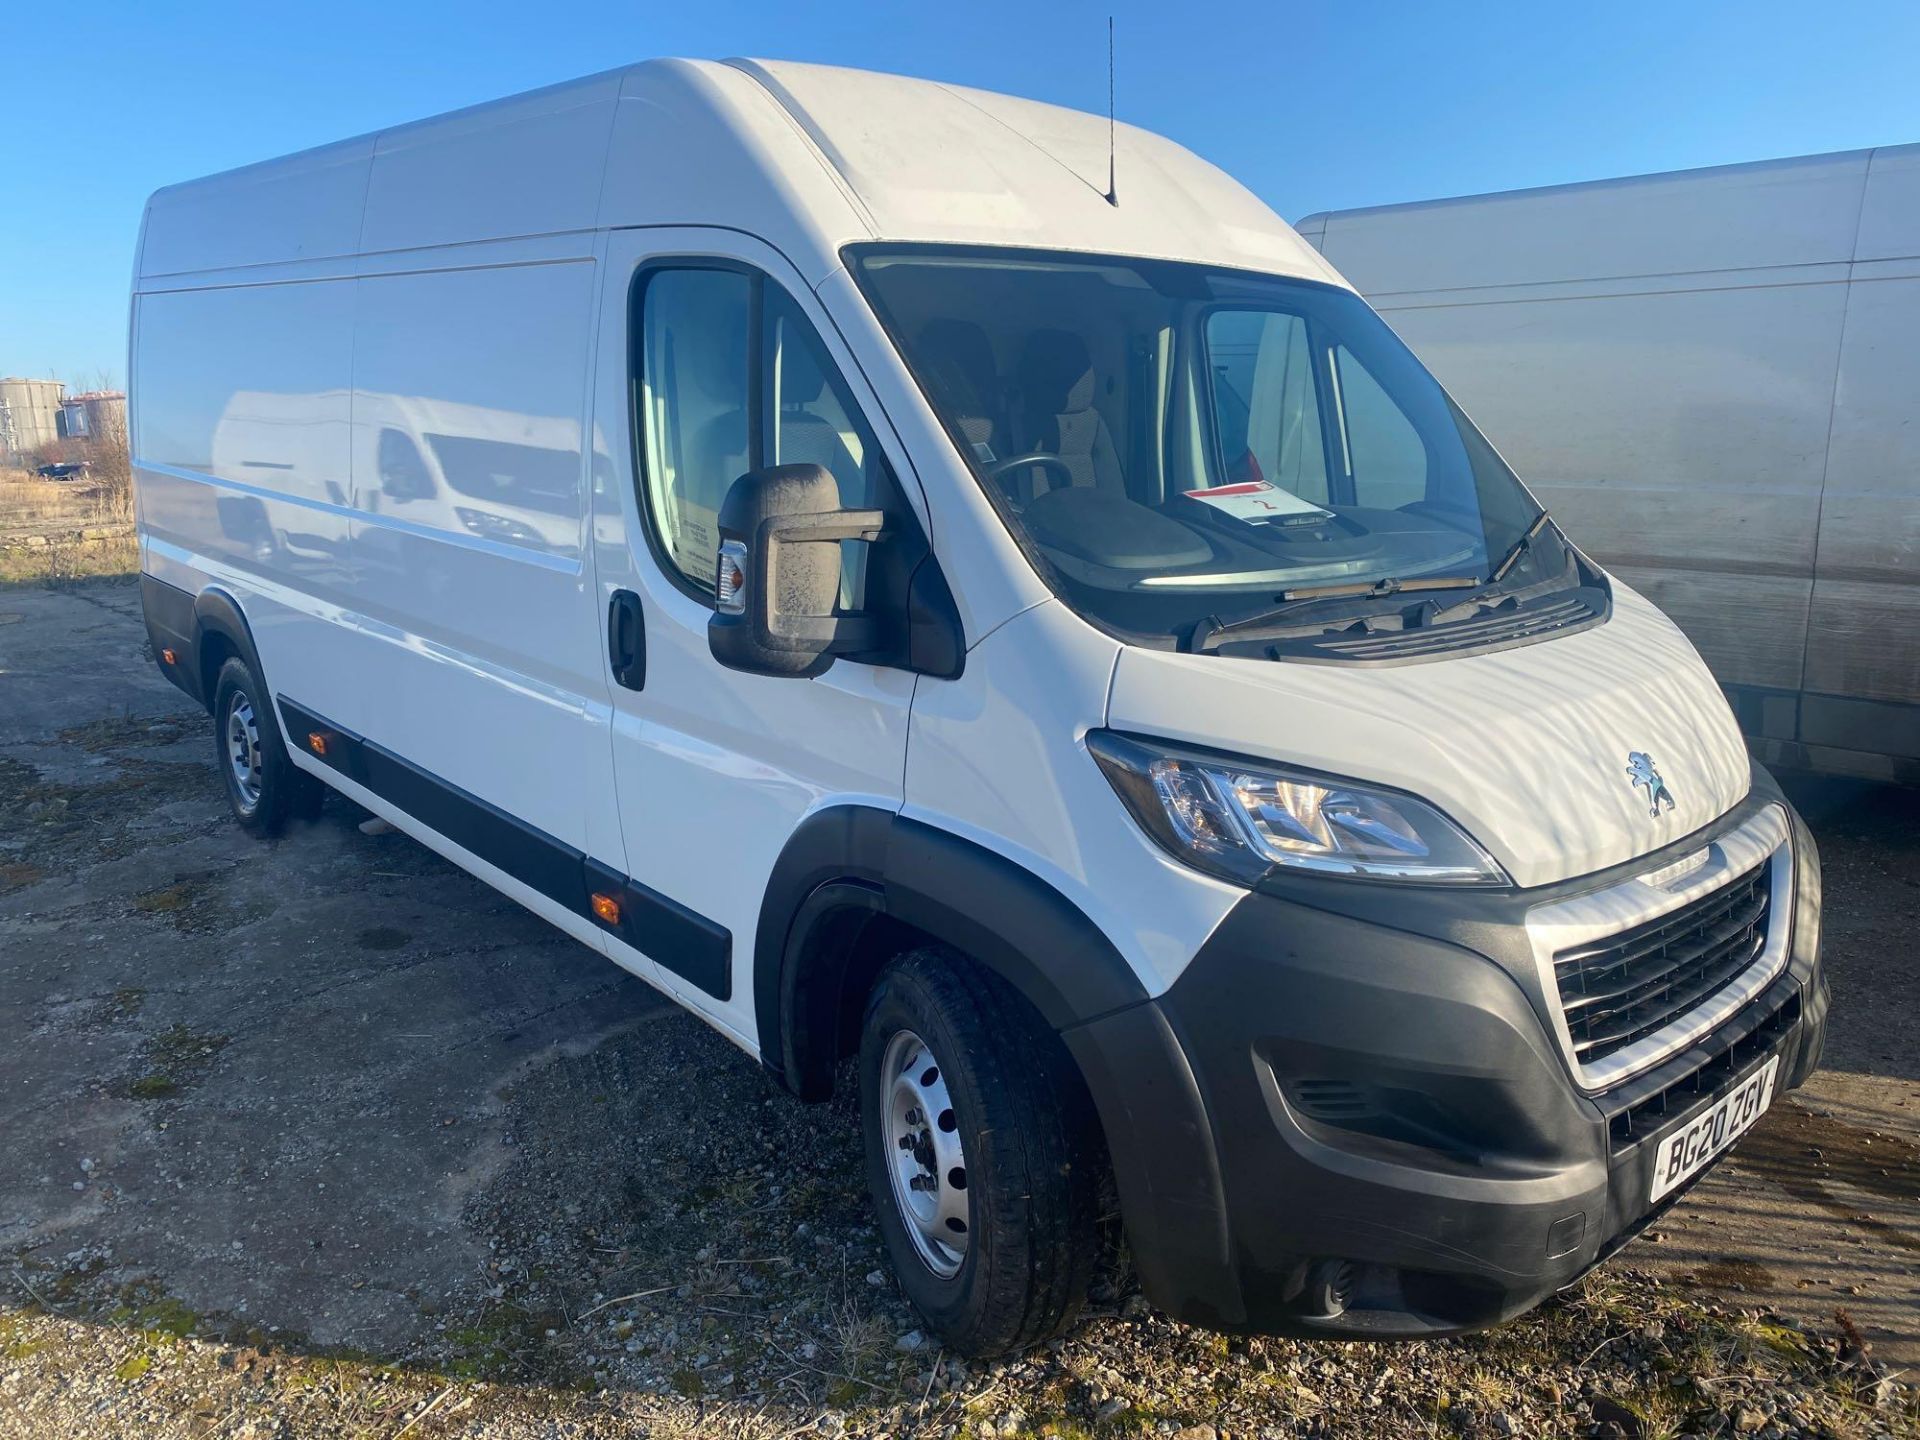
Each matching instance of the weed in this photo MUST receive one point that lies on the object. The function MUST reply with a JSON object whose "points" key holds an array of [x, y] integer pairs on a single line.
{"points": [[175, 1056], [178, 1046], [134, 1366], [119, 1007], [143, 1304], [169, 898], [688, 1382], [18, 875], [14, 1344]]}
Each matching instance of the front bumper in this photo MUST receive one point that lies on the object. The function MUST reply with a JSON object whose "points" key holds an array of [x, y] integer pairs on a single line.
{"points": [[1356, 1096]]}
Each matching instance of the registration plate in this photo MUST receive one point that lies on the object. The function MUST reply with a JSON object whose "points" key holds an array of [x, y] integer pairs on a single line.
{"points": [[1706, 1137]]}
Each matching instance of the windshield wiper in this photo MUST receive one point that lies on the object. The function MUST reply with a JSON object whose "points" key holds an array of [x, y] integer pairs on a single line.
{"points": [[1519, 548], [1389, 586], [1211, 631]]}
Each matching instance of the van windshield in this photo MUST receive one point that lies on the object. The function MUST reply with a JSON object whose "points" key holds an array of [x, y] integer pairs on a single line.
{"points": [[1173, 443]]}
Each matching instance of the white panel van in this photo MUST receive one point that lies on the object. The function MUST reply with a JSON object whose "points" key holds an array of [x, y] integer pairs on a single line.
{"points": [[1711, 375], [1046, 654]]}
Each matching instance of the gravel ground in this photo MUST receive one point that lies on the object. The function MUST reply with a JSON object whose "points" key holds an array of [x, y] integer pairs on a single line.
{"points": [[325, 1139]]}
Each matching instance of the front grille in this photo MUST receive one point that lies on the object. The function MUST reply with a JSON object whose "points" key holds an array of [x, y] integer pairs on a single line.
{"points": [[1635, 1122], [1623, 988]]}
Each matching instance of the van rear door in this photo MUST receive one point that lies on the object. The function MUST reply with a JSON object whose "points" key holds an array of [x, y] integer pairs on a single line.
{"points": [[714, 359]]}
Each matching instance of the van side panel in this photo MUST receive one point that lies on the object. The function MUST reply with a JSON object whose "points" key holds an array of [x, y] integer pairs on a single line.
{"points": [[241, 445], [1866, 606], [480, 643], [300, 207], [530, 164], [1772, 215], [1678, 433]]}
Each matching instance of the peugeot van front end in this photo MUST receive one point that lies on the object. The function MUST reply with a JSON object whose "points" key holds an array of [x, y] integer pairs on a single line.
{"points": [[1506, 940]]}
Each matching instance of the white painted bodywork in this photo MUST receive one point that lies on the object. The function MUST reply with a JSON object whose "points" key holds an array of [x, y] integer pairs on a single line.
{"points": [[1525, 748], [1710, 376], [460, 287]]}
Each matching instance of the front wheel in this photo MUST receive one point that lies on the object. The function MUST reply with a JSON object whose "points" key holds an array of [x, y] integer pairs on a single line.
{"points": [[264, 787], [983, 1154]]}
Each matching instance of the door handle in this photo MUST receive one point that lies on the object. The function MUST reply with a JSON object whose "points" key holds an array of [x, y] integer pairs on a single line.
{"points": [[627, 640]]}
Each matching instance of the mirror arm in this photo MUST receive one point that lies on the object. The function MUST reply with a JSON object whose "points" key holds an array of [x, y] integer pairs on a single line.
{"points": [[837, 633]]}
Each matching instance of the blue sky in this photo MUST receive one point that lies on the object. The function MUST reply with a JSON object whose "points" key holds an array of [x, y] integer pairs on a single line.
{"points": [[1315, 104]]}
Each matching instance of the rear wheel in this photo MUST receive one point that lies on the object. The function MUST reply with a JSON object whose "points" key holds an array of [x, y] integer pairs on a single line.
{"points": [[264, 788], [983, 1155]]}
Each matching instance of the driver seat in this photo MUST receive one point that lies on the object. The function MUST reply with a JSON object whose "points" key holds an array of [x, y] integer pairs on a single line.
{"points": [[961, 371], [1056, 386]]}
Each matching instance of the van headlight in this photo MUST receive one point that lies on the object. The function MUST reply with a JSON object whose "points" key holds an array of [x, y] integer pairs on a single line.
{"points": [[1242, 819]]}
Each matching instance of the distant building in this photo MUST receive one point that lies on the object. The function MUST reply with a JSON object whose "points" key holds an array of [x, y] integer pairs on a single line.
{"points": [[93, 414], [29, 417]]}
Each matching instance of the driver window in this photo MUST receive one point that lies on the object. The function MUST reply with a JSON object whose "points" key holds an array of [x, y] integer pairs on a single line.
{"points": [[705, 367], [814, 419], [694, 398]]}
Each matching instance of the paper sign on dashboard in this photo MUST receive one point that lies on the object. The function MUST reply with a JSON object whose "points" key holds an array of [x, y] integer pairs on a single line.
{"points": [[1259, 503]]}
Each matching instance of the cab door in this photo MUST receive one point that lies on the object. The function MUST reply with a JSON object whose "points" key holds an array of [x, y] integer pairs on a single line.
{"points": [[714, 359]]}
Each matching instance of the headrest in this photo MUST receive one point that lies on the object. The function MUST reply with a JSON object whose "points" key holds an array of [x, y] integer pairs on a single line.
{"points": [[801, 378], [1056, 373], [959, 363], [716, 355]]}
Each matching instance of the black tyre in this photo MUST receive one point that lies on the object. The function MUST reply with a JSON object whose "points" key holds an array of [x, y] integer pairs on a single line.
{"points": [[264, 788], [983, 1154]]}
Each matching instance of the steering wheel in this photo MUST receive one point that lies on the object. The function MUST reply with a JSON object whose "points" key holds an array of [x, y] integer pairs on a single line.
{"points": [[1022, 461], [1032, 457]]}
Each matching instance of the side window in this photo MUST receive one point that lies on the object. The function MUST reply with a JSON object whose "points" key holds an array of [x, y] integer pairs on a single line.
{"points": [[814, 418], [694, 399], [716, 344], [1265, 403], [403, 470], [1384, 451]]}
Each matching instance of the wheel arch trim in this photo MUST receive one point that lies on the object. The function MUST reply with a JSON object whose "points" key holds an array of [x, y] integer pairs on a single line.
{"points": [[216, 612], [846, 865]]}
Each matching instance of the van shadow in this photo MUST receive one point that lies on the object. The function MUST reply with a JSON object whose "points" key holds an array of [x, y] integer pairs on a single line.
{"points": [[1869, 839]]}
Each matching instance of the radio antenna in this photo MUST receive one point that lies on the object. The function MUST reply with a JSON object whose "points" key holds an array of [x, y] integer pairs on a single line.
{"points": [[1113, 195]]}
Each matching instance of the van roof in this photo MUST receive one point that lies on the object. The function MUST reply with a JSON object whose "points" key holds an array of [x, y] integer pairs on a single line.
{"points": [[808, 157]]}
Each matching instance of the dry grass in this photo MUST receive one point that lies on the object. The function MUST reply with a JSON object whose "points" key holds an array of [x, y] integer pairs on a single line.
{"points": [[54, 532], [31, 506]]}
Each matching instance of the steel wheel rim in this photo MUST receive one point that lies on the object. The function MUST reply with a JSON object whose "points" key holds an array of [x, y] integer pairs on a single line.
{"points": [[925, 1160], [243, 751]]}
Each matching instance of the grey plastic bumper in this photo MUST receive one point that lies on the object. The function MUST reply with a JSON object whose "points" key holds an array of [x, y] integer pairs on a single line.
{"points": [[1379, 1098]]}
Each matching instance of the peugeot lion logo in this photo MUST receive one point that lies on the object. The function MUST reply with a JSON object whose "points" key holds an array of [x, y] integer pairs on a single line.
{"points": [[1640, 772]]}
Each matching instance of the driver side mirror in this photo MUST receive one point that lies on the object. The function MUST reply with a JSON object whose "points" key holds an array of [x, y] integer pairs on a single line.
{"points": [[777, 587]]}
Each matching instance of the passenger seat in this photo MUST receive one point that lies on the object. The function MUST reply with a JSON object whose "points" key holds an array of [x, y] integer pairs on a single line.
{"points": [[807, 437]]}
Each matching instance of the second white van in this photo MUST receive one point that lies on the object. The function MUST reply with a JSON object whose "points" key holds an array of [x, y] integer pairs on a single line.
{"points": [[996, 619]]}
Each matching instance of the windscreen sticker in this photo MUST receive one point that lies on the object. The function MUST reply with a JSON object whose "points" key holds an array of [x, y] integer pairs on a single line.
{"points": [[1259, 503]]}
